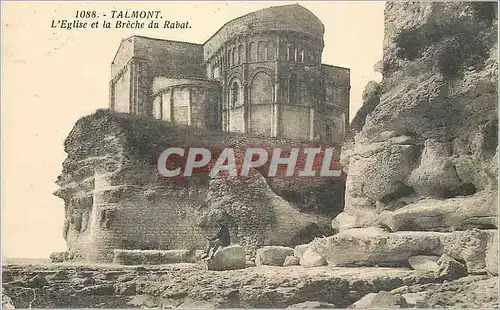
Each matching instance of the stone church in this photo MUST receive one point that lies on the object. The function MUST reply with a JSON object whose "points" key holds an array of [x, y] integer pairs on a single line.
{"points": [[260, 73]]}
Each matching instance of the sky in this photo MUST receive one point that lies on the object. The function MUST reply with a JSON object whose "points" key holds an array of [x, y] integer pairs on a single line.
{"points": [[51, 77]]}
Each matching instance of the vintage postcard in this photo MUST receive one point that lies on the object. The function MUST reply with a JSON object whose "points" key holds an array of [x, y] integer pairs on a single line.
{"points": [[333, 154]]}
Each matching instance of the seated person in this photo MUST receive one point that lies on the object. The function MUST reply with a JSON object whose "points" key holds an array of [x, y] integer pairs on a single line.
{"points": [[221, 239]]}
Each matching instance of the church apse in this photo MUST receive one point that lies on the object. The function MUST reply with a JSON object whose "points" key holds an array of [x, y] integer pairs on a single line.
{"points": [[260, 73]]}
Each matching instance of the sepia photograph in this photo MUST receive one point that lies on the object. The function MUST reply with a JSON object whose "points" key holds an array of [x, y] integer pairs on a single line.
{"points": [[249, 154]]}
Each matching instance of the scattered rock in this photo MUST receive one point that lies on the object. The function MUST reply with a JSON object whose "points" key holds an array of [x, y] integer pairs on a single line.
{"points": [[424, 263], [98, 290], [7, 302], [492, 255], [272, 255], [125, 288], [249, 263], [299, 250], [344, 221], [471, 292], [37, 281], [291, 261], [61, 275], [450, 269], [228, 258], [312, 305], [311, 258], [381, 300], [151, 257], [59, 257]]}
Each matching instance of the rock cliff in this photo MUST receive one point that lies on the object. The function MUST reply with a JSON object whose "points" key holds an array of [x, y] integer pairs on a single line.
{"points": [[115, 198], [424, 154]]}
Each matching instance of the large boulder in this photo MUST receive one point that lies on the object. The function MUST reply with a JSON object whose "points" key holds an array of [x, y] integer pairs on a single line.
{"points": [[228, 258], [375, 246], [272, 255], [477, 211], [299, 250]]}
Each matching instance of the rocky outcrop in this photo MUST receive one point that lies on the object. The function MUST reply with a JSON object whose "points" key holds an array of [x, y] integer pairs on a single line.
{"points": [[152, 257], [116, 199], [459, 213], [376, 247], [470, 292], [425, 157], [190, 286], [228, 258]]}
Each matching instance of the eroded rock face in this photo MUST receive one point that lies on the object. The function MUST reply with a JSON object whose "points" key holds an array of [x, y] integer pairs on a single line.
{"points": [[433, 135]]}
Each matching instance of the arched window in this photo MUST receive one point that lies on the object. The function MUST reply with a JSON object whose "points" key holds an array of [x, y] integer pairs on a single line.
{"points": [[229, 58], [302, 56], [329, 130], [294, 90], [216, 71], [253, 52], [235, 94], [296, 54], [261, 51], [235, 57]]}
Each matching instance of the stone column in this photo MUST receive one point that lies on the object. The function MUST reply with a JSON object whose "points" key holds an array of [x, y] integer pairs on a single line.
{"points": [[172, 118], [276, 123], [311, 123], [189, 109], [246, 107]]}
